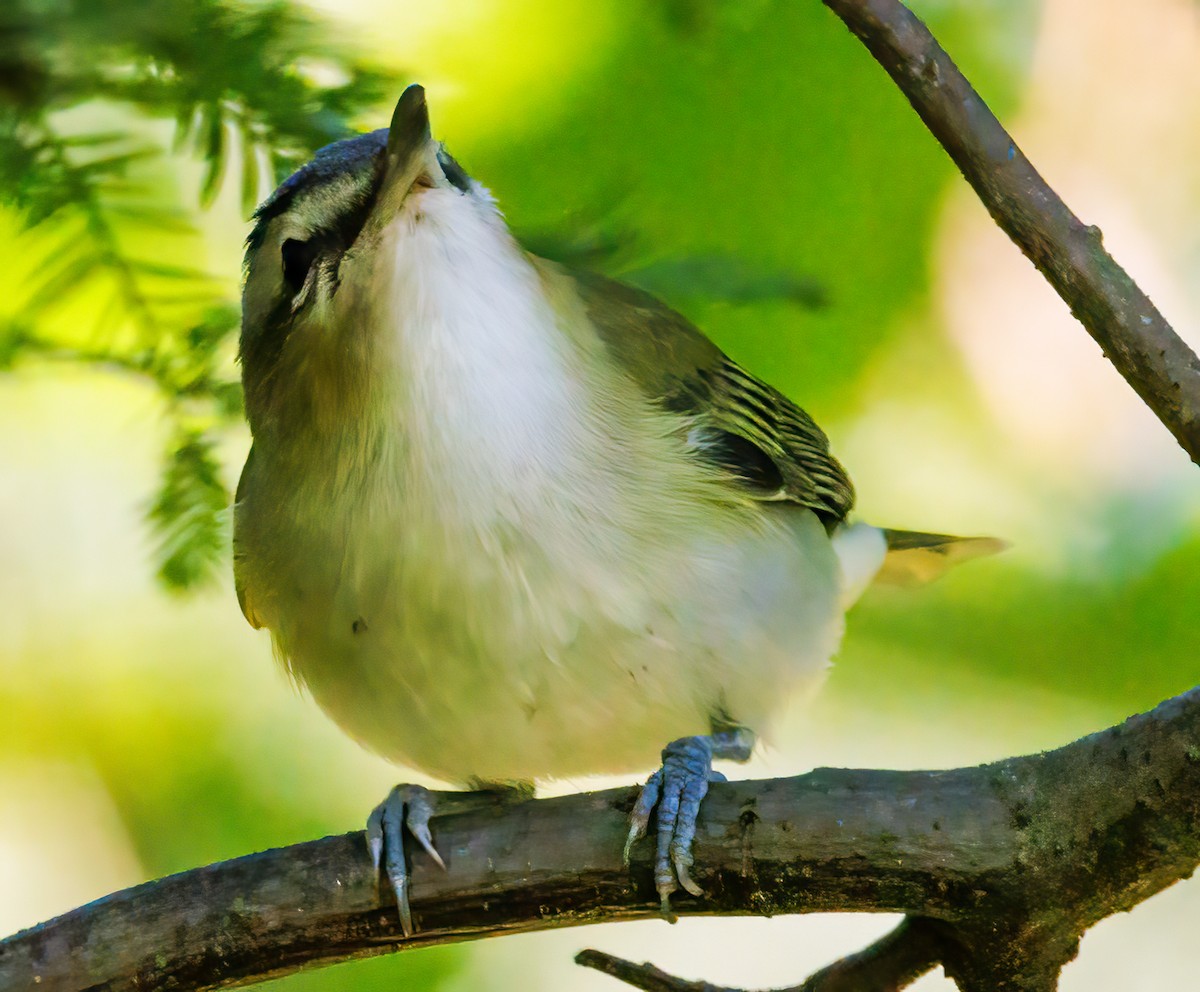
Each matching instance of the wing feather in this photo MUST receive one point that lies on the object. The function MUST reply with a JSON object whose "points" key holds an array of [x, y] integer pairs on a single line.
{"points": [[742, 425], [244, 598]]}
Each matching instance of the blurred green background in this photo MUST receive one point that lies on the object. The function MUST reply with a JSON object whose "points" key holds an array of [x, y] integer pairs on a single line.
{"points": [[745, 160]]}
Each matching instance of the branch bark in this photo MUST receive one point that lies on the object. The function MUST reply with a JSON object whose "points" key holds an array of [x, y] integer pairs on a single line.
{"points": [[1014, 860], [1133, 335]]}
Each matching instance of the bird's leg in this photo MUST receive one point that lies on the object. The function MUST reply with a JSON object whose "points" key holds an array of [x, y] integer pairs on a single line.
{"points": [[675, 791], [410, 807], [406, 806]]}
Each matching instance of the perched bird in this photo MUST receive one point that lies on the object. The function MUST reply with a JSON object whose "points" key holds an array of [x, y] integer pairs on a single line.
{"points": [[508, 522]]}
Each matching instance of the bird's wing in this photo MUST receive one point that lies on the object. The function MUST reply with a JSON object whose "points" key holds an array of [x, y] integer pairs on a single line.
{"points": [[239, 575], [741, 425]]}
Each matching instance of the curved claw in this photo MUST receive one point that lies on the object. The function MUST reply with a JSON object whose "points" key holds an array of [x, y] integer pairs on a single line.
{"points": [[411, 807], [685, 878], [676, 791], [639, 817], [419, 809]]}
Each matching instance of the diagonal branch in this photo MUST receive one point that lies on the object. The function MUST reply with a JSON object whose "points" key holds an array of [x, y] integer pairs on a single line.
{"points": [[1015, 859], [1135, 337], [893, 962], [645, 976]]}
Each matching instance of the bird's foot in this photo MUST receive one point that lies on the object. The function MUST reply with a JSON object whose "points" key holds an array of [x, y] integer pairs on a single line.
{"points": [[410, 807], [407, 806], [675, 791]]}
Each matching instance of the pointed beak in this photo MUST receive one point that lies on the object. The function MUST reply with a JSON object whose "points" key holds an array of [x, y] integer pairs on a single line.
{"points": [[411, 153], [408, 133]]}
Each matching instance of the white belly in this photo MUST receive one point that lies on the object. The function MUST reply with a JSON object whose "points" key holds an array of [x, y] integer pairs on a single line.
{"points": [[506, 665]]}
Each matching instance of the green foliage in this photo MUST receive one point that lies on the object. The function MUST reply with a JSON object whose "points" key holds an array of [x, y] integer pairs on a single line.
{"points": [[728, 278], [762, 174], [242, 86], [190, 511]]}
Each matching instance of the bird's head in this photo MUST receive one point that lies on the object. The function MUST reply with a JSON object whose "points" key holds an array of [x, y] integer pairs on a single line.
{"points": [[321, 262]]}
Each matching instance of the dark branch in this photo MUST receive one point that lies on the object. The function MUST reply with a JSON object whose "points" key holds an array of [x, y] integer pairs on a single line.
{"points": [[895, 960], [643, 976], [1134, 336], [1014, 860]]}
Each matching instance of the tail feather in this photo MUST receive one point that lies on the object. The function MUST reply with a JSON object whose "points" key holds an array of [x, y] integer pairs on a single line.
{"points": [[913, 557]]}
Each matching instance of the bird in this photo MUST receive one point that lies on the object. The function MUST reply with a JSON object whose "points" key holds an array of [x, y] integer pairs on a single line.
{"points": [[509, 522]]}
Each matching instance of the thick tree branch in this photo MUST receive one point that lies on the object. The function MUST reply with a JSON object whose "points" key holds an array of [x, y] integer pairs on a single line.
{"points": [[1134, 336], [1014, 859]]}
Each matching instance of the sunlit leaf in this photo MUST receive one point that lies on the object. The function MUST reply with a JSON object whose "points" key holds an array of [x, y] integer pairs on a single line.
{"points": [[250, 173], [213, 131]]}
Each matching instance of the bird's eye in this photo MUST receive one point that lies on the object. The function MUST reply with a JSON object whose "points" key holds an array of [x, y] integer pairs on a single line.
{"points": [[454, 172], [298, 257]]}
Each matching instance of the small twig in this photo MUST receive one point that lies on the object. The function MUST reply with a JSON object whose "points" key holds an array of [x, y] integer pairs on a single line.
{"points": [[893, 962], [1134, 336], [643, 976]]}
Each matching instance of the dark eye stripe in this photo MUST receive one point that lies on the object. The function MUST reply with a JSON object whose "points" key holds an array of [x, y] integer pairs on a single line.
{"points": [[299, 255]]}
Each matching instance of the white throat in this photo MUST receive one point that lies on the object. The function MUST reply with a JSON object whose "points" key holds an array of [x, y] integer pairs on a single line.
{"points": [[487, 387]]}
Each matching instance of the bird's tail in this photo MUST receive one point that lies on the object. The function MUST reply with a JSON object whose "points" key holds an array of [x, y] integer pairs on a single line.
{"points": [[913, 558]]}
